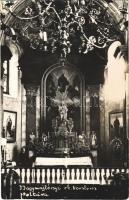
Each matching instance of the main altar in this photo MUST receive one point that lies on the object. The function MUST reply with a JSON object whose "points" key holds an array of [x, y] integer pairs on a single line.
{"points": [[62, 113], [63, 123]]}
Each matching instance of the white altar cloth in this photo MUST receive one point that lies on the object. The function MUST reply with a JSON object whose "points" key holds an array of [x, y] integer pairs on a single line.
{"points": [[45, 161]]}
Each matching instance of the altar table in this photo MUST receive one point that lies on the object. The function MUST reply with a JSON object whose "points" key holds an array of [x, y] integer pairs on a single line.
{"points": [[45, 161]]}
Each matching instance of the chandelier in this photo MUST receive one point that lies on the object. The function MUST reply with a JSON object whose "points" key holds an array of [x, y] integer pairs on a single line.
{"points": [[65, 26]]}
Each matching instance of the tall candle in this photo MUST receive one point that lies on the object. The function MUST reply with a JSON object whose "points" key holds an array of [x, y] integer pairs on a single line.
{"points": [[41, 34], [45, 36]]}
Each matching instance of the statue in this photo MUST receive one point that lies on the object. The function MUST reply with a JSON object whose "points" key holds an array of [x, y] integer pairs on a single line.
{"points": [[32, 137], [93, 139], [116, 126], [63, 111]]}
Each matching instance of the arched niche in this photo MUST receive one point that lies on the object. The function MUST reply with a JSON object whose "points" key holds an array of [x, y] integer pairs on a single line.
{"points": [[62, 92]]}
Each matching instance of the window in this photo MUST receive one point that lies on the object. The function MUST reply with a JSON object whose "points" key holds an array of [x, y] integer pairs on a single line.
{"points": [[6, 77]]}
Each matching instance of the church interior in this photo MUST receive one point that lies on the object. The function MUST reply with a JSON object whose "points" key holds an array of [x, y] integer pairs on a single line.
{"points": [[64, 93]]}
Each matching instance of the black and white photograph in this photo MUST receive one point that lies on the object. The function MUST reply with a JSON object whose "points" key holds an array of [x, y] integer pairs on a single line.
{"points": [[64, 99]]}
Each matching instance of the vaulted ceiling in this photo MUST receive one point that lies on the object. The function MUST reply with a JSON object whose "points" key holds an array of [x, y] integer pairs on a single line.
{"points": [[33, 62]]}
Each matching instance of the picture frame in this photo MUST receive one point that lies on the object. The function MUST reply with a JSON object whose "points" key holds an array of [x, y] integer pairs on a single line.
{"points": [[116, 125], [9, 125]]}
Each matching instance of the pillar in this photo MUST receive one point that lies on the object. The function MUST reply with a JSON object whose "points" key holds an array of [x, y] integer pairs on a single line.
{"points": [[38, 130], [1, 100], [23, 113], [103, 139], [87, 113], [127, 112], [31, 93]]}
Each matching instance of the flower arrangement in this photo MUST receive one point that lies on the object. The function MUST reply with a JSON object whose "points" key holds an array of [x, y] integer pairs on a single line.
{"points": [[41, 147]]}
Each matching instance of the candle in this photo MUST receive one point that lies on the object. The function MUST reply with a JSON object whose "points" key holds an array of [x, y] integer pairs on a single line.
{"points": [[12, 31], [41, 34], [45, 36]]}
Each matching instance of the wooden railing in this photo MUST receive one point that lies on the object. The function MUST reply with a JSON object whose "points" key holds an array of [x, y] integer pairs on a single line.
{"points": [[62, 175]]}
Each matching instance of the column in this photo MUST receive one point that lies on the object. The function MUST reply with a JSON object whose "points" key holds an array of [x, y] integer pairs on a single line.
{"points": [[31, 93], [38, 112], [87, 113], [103, 146], [127, 104], [127, 111], [19, 113], [102, 115], [1, 99], [23, 113]]}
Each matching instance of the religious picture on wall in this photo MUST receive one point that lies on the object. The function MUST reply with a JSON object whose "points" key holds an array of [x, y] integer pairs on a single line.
{"points": [[9, 124], [63, 98], [116, 125], [62, 110]]}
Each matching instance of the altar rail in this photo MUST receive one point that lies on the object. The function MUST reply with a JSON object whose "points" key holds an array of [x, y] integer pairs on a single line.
{"points": [[62, 175]]}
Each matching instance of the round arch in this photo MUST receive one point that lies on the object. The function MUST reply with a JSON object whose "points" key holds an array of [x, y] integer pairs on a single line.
{"points": [[19, 7], [70, 71]]}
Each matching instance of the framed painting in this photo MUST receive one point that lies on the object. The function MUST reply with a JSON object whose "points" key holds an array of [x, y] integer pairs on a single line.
{"points": [[9, 125], [116, 125]]}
